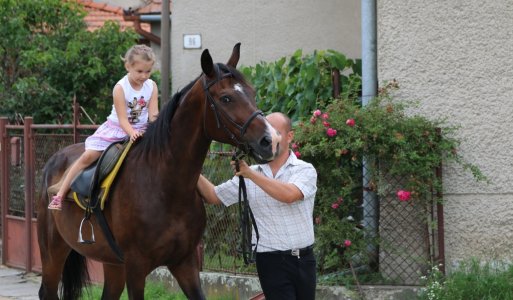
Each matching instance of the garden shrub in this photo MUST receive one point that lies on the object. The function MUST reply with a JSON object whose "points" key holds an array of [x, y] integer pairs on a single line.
{"points": [[294, 84]]}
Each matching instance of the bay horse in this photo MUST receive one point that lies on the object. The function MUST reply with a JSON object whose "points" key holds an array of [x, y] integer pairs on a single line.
{"points": [[154, 211]]}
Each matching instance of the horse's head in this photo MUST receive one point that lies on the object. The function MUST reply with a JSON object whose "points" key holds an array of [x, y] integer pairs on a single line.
{"points": [[231, 115]]}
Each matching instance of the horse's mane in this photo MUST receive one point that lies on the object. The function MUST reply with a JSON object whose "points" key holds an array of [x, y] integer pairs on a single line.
{"points": [[156, 137]]}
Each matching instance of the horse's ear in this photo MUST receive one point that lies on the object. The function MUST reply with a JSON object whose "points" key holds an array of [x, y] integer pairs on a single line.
{"points": [[234, 59], [207, 64]]}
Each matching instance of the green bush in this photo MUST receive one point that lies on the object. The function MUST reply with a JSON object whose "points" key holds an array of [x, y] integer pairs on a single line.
{"points": [[49, 56], [294, 85]]}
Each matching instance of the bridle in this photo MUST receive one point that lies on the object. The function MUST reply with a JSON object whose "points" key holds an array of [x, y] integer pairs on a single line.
{"points": [[218, 113]]}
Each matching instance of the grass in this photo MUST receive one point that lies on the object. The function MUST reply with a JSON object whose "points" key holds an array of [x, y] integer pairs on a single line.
{"points": [[471, 280], [152, 290]]}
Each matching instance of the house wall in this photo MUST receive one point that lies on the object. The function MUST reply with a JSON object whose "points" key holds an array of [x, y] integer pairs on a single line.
{"points": [[455, 58], [267, 30]]}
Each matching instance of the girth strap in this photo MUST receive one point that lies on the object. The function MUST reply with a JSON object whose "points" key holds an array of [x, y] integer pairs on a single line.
{"points": [[98, 213]]}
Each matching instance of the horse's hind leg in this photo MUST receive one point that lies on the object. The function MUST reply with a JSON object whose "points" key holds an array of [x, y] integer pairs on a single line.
{"points": [[54, 252], [187, 275], [114, 281], [52, 267]]}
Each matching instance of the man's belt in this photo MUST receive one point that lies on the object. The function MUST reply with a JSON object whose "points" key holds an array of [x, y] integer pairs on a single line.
{"points": [[294, 252]]}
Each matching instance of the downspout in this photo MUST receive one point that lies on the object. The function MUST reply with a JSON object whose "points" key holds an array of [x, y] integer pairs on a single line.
{"points": [[166, 51], [369, 91], [137, 26]]}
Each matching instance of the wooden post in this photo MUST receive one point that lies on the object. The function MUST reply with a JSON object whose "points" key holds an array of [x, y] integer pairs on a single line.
{"points": [[335, 82], [440, 217], [76, 112], [29, 188], [4, 184]]}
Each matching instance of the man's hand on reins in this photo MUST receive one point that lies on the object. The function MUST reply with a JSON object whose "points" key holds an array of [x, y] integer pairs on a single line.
{"points": [[243, 169]]}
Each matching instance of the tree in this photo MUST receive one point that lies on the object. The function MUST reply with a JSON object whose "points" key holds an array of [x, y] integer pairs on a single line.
{"points": [[48, 56]]}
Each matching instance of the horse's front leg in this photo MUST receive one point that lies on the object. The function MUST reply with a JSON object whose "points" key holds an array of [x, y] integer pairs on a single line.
{"points": [[187, 275], [136, 271], [114, 281]]}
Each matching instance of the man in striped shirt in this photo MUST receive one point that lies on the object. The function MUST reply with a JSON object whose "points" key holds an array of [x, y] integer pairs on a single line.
{"points": [[281, 195]]}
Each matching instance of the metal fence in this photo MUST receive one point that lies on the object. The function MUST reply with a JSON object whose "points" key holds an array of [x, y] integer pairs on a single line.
{"points": [[409, 235]]}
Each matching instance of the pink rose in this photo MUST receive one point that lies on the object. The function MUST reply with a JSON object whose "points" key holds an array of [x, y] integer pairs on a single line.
{"points": [[298, 155], [294, 146], [325, 116], [403, 195], [313, 120], [331, 132], [325, 124], [317, 113], [334, 205], [350, 122], [347, 243]]}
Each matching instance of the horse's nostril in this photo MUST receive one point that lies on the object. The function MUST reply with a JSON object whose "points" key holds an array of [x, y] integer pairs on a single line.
{"points": [[266, 141]]}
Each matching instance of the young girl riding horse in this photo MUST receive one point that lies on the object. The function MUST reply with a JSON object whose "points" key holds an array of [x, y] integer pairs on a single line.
{"points": [[135, 103]]}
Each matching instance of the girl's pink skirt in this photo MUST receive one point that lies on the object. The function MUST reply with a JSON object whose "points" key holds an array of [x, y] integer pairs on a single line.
{"points": [[108, 133]]}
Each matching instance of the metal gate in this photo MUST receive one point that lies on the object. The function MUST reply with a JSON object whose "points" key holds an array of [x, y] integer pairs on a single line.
{"points": [[24, 149]]}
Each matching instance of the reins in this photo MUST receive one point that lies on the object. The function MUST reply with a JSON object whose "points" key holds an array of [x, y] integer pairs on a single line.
{"points": [[246, 218]]}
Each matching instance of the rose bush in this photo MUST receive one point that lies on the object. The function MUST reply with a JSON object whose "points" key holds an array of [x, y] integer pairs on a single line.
{"points": [[397, 145]]}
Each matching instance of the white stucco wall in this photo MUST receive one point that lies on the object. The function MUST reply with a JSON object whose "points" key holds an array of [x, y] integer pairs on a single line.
{"points": [[267, 30], [456, 58]]}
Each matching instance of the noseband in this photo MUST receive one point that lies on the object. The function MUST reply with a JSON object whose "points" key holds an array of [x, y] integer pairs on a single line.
{"points": [[218, 112]]}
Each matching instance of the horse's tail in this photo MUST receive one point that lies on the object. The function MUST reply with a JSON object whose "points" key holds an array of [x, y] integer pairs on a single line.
{"points": [[75, 276]]}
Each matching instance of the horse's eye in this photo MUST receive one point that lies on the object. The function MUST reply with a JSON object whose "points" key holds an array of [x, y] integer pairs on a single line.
{"points": [[225, 99]]}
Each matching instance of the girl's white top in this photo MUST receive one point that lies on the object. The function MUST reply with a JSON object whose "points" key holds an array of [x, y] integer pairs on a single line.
{"points": [[137, 102]]}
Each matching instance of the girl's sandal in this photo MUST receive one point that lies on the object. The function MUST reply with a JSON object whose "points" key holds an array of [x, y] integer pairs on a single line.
{"points": [[56, 203]]}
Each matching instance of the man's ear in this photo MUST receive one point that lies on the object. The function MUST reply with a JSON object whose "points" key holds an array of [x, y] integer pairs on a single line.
{"points": [[290, 136]]}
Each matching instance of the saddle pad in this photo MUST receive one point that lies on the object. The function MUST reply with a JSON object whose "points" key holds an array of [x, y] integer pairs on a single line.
{"points": [[107, 182]]}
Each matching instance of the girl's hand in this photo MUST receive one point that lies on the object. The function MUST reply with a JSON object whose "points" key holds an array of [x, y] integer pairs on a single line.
{"points": [[135, 135]]}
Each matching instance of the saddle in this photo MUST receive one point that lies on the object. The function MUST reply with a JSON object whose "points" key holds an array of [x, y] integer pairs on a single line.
{"points": [[91, 187]]}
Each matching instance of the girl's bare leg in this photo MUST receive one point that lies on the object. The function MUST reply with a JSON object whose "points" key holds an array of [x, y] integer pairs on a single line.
{"points": [[86, 159]]}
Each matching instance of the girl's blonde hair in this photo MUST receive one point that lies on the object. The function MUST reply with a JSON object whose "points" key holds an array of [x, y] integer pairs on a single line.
{"points": [[139, 52]]}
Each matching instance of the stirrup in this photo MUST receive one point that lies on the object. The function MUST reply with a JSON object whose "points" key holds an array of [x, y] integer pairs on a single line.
{"points": [[80, 239]]}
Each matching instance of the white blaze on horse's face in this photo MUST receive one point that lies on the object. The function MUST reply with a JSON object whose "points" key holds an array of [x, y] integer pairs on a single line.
{"points": [[276, 139], [238, 88]]}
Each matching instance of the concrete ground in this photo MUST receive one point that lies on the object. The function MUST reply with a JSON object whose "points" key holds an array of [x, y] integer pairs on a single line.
{"points": [[16, 284]]}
